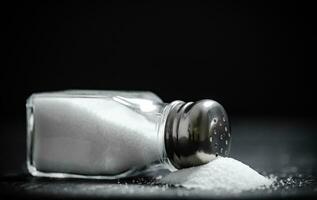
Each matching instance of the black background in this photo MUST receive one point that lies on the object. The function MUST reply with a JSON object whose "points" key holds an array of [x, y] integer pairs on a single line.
{"points": [[254, 57]]}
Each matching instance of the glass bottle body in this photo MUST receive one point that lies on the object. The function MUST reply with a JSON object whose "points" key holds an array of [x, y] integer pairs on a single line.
{"points": [[94, 134]]}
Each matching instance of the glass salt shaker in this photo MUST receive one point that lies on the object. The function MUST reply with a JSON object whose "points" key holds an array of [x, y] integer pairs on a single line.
{"points": [[114, 134]]}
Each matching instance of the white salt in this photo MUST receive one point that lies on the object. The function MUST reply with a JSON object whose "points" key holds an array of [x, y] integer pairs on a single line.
{"points": [[220, 175], [93, 136]]}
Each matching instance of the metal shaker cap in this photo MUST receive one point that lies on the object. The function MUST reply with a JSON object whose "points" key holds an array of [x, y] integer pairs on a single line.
{"points": [[196, 133]]}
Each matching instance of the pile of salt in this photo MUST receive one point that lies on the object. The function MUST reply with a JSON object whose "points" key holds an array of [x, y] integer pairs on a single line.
{"points": [[221, 175]]}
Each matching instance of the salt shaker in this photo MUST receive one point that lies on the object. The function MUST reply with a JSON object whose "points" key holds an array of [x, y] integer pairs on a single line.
{"points": [[114, 134]]}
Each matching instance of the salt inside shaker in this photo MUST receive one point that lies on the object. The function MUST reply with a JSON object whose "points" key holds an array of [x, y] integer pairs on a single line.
{"points": [[113, 134]]}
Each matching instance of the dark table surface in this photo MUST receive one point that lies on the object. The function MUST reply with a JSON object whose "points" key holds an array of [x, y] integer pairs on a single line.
{"points": [[278, 146]]}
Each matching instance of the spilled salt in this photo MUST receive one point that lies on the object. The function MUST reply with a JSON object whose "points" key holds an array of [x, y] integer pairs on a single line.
{"points": [[220, 175]]}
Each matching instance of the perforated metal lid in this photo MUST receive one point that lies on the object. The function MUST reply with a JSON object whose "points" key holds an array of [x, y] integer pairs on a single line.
{"points": [[196, 133]]}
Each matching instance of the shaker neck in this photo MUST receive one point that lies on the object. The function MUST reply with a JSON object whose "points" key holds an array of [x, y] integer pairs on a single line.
{"points": [[168, 113], [171, 131]]}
